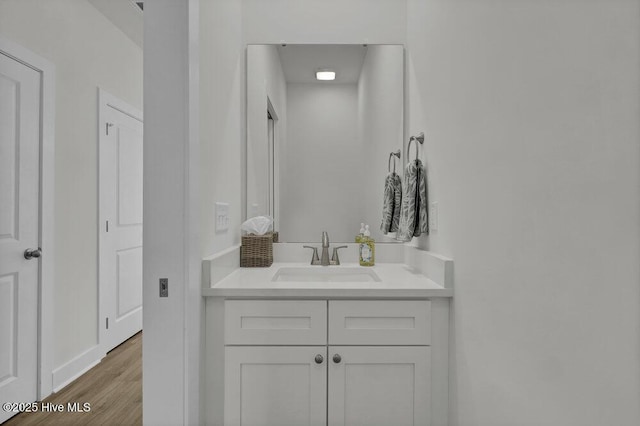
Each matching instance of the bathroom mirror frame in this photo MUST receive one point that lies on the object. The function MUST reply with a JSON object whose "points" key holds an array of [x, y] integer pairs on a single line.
{"points": [[276, 99]]}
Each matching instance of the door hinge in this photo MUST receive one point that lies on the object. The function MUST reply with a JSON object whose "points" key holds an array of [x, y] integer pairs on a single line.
{"points": [[107, 321], [107, 226], [107, 125]]}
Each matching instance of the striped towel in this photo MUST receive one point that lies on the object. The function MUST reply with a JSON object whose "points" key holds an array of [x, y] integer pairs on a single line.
{"points": [[391, 206], [413, 213]]}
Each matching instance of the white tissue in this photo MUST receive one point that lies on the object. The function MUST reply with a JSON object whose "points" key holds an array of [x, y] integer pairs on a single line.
{"points": [[258, 225]]}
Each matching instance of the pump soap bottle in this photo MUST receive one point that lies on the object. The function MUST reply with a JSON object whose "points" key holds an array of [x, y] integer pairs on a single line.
{"points": [[360, 236], [367, 249]]}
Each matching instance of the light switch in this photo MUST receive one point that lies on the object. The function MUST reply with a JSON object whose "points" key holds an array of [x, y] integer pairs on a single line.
{"points": [[164, 287], [222, 216], [433, 216]]}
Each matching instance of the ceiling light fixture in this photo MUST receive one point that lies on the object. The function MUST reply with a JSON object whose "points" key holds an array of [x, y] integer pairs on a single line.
{"points": [[325, 75]]}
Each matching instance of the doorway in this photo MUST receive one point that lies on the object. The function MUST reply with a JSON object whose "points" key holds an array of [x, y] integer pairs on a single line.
{"points": [[120, 220], [26, 224]]}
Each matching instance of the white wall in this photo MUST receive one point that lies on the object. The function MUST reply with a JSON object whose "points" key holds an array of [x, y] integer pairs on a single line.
{"points": [[324, 21], [88, 52], [222, 120], [323, 159], [265, 80], [530, 111], [380, 128], [172, 325]]}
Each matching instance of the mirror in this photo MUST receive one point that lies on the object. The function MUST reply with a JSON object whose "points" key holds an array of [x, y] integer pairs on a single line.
{"points": [[318, 151]]}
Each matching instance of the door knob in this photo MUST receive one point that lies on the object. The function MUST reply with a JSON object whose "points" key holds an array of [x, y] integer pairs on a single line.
{"points": [[31, 253], [337, 358], [319, 359]]}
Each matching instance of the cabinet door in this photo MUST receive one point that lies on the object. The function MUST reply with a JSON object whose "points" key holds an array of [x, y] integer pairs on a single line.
{"points": [[379, 386], [267, 386]]}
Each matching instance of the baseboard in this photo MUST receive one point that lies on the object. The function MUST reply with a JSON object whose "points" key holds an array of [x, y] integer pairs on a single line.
{"points": [[76, 367]]}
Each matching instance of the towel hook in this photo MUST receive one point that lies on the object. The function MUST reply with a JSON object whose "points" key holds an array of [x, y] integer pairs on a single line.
{"points": [[420, 139], [393, 154]]}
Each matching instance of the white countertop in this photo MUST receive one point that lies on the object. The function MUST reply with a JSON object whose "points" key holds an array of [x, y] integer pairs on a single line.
{"points": [[397, 280]]}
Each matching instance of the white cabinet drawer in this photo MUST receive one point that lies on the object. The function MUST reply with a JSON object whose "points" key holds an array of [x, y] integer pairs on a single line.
{"points": [[275, 322], [384, 322]]}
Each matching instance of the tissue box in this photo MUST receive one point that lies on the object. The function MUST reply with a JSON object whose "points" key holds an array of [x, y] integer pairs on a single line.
{"points": [[256, 250]]}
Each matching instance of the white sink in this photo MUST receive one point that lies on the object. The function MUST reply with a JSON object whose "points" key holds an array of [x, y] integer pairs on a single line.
{"points": [[326, 274]]}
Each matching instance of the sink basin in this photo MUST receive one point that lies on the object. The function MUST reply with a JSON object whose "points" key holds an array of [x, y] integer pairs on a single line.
{"points": [[326, 274]]}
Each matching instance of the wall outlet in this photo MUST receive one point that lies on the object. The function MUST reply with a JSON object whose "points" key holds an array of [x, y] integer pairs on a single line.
{"points": [[222, 216], [254, 209], [433, 216]]}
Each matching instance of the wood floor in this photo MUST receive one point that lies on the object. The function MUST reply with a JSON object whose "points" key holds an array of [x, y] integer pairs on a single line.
{"points": [[113, 388]]}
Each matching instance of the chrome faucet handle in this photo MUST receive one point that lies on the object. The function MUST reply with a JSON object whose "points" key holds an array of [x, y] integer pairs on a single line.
{"points": [[325, 239], [334, 258], [315, 259]]}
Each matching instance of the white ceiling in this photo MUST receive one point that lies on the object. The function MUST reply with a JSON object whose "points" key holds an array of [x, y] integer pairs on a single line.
{"points": [[300, 62], [124, 14]]}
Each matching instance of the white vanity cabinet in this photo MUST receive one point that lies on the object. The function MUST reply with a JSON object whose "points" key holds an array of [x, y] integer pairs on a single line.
{"points": [[386, 381], [275, 385], [333, 362]]}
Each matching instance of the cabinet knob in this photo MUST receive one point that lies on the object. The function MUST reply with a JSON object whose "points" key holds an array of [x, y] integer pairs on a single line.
{"points": [[319, 359], [337, 358]]}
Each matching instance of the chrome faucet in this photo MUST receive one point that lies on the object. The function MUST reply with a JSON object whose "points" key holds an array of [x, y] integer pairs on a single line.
{"points": [[324, 259]]}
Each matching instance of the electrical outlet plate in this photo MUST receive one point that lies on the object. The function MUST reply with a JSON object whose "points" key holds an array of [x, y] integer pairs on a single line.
{"points": [[222, 216]]}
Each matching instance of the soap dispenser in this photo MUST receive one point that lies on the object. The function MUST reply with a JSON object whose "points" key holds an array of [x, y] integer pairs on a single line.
{"points": [[367, 248], [360, 236]]}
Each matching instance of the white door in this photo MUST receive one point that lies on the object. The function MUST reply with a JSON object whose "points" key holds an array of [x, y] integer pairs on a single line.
{"points": [[379, 386], [19, 230], [275, 385], [120, 208]]}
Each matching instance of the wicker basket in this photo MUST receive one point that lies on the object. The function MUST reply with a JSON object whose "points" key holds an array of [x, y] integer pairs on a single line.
{"points": [[256, 250]]}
